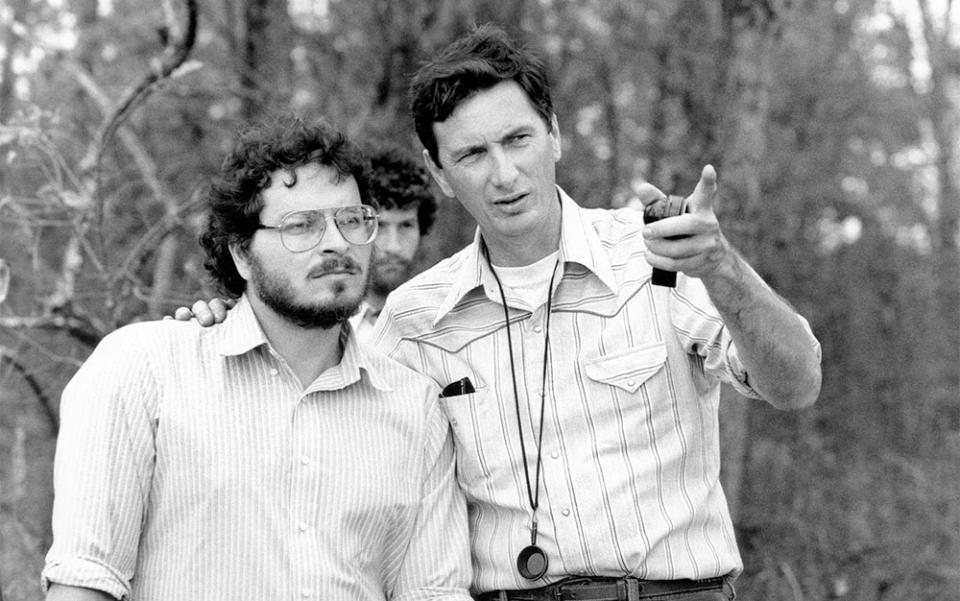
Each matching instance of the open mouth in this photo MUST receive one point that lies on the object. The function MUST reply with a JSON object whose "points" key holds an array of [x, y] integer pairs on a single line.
{"points": [[510, 200]]}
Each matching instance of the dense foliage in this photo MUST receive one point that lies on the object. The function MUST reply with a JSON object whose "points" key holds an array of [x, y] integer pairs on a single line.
{"points": [[832, 125]]}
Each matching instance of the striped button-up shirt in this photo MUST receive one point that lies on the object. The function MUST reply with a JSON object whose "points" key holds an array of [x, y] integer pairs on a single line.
{"points": [[629, 482], [192, 464]]}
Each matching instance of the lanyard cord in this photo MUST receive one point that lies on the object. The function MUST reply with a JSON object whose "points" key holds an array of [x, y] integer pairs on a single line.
{"points": [[534, 497]]}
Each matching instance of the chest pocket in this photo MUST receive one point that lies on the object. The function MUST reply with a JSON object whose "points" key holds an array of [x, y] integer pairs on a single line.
{"points": [[628, 369], [481, 454]]}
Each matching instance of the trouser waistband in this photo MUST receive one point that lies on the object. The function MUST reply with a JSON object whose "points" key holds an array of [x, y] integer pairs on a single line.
{"points": [[604, 589]]}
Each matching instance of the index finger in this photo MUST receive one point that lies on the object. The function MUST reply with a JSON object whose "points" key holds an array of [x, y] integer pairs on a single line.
{"points": [[705, 193]]}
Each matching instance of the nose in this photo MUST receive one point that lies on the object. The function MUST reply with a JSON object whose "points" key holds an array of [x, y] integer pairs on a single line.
{"points": [[504, 169], [332, 240], [388, 239]]}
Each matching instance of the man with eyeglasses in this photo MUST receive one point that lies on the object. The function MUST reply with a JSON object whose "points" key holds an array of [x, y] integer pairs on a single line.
{"points": [[270, 456]]}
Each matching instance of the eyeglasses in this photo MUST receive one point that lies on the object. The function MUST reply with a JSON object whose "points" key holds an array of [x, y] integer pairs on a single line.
{"points": [[301, 231]]}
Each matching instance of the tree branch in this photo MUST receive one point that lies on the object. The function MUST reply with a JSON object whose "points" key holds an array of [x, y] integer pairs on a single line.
{"points": [[8, 356], [81, 329], [175, 54]]}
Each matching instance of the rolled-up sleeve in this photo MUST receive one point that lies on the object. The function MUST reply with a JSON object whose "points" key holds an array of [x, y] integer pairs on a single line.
{"points": [[103, 469], [436, 564]]}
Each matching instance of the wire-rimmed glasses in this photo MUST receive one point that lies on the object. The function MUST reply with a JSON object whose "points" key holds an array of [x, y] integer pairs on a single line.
{"points": [[301, 231]]}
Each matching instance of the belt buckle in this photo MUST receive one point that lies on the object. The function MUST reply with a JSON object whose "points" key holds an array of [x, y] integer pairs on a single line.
{"points": [[556, 591]]}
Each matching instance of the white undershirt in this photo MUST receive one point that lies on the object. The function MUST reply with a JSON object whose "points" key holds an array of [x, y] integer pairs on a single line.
{"points": [[530, 283]]}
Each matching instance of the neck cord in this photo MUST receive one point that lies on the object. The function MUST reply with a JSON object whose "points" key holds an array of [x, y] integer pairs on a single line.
{"points": [[533, 492]]}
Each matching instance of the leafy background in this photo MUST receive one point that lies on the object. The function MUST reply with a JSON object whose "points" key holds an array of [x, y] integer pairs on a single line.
{"points": [[833, 125]]}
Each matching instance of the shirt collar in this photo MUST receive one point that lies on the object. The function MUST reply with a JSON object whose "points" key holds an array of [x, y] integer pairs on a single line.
{"points": [[357, 357], [241, 333], [579, 243]]}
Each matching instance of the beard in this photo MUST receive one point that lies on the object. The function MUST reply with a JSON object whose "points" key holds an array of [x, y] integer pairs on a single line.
{"points": [[383, 282], [277, 292]]}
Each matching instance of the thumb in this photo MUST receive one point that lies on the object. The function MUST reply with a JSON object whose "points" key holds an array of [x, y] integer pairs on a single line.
{"points": [[705, 194]]}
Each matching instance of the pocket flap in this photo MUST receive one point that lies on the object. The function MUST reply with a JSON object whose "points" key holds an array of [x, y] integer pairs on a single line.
{"points": [[628, 369]]}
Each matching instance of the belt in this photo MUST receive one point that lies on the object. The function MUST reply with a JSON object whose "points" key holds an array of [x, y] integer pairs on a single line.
{"points": [[604, 589]]}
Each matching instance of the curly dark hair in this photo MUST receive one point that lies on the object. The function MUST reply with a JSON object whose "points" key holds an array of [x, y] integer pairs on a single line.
{"points": [[399, 181], [261, 149], [475, 62]]}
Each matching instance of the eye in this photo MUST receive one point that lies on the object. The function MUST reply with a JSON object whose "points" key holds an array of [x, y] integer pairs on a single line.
{"points": [[470, 154], [296, 225], [350, 219], [517, 138]]}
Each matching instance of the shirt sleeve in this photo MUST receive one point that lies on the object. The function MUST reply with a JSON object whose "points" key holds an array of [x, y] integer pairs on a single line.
{"points": [[103, 469], [386, 337], [702, 332], [436, 564]]}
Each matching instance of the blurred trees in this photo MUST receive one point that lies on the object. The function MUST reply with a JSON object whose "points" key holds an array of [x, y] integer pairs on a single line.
{"points": [[833, 126]]}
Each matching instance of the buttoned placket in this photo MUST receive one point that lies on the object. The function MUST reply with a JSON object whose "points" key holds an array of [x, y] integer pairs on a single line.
{"points": [[302, 472], [556, 495]]}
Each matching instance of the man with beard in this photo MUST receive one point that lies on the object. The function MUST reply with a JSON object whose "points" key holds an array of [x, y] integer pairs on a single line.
{"points": [[400, 185], [271, 456]]}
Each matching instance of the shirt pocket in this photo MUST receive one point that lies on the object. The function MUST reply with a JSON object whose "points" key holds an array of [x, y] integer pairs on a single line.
{"points": [[629, 369], [473, 419]]}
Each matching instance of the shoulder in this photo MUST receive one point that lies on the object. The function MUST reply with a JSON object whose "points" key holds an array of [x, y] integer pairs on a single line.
{"points": [[144, 345], [145, 336], [615, 227], [396, 375], [413, 307]]}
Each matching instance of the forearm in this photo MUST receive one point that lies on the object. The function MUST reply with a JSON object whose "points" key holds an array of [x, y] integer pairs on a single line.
{"points": [[780, 355], [61, 592]]}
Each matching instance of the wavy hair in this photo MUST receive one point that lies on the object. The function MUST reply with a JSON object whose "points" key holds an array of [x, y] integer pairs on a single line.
{"points": [[234, 199], [399, 181]]}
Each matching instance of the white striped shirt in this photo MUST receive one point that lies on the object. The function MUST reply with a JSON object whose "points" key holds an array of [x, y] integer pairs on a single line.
{"points": [[629, 483], [192, 464]]}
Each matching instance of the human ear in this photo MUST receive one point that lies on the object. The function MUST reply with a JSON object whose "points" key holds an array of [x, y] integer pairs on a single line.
{"points": [[555, 137], [438, 175], [240, 260]]}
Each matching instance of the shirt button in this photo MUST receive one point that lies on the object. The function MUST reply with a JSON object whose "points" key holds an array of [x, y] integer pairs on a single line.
{"points": [[555, 454], [453, 422], [305, 460], [565, 512], [631, 383], [537, 329], [302, 526], [274, 371], [305, 593]]}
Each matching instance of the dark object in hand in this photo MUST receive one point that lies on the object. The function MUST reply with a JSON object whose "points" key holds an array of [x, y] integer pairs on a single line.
{"points": [[662, 208]]}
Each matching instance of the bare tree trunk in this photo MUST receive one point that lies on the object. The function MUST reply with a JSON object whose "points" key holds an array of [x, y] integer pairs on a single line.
{"points": [[747, 39], [608, 81], [942, 115], [266, 35], [944, 61]]}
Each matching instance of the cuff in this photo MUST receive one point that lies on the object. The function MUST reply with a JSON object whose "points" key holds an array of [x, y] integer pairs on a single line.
{"points": [[86, 573]]}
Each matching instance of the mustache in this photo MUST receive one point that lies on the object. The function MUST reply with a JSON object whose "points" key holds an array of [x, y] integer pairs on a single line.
{"points": [[388, 257], [336, 265]]}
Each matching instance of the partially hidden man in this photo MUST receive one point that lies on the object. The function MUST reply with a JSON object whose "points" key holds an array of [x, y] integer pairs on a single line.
{"points": [[271, 456], [583, 399]]}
